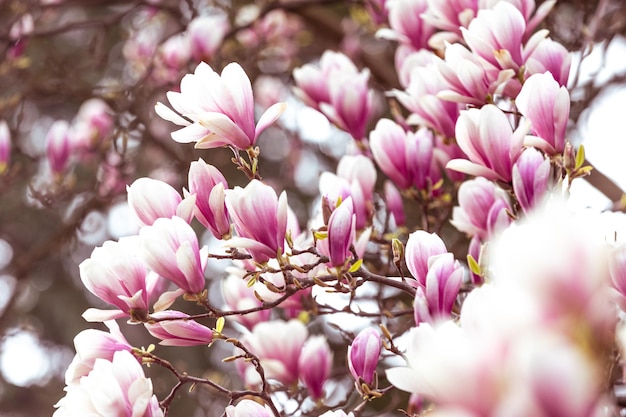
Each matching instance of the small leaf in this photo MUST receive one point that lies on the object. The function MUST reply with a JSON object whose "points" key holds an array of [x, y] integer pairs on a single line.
{"points": [[251, 281], [580, 157], [219, 324], [398, 250], [356, 266], [473, 265], [320, 234]]}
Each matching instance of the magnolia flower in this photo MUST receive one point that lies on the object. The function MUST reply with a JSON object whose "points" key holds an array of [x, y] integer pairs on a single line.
{"points": [[248, 408], [278, 345], [363, 355], [260, 219], [92, 344], [314, 365], [483, 209], [341, 234], [420, 247], [182, 332], [116, 274], [239, 296], [5, 146], [217, 110], [93, 123], [546, 105], [58, 146], [170, 248], [531, 175], [552, 57], [486, 137], [496, 35], [151, 199], [407, 24], [117, 387], [469, 78], [443, 282], [393, 201], [206, 34], [208, 184], [405, 157]]}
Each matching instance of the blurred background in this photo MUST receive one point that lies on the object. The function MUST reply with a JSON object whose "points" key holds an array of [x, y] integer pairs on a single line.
{"points": [[101, 66]]}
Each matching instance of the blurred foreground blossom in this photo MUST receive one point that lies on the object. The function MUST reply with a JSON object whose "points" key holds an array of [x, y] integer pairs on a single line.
{"points": [[530, 342], [117, 387], [92, 344]]}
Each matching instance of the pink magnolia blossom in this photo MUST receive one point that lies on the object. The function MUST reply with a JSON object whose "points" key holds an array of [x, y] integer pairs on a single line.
{"points": [[116, 274], [208, 184], [363, 355], [531, 176], [488, 140], [338, 90], [170, 248], [248, 408], [313, 81], [351, 103], [238, 296], [206, 34], [617, 270], [5, 146], [406, 23], [93, 123], [552, 57], [420, 248], [337, 413], [151, 199], [260, 219], [405, 157], [58, 146], [181, 332], [92, 344], [469, 78], [175, 52], [422, 99], [482, 209], [314, 365], [546, 105], [217, 110], [421, 312], [116, 387], [278, 344], [393, 201], [450, 17], [443, 281], [341, 234], [355, 178], [377, 11], [496, 35]]}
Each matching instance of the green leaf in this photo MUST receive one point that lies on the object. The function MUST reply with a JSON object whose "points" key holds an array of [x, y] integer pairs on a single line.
{"points": [[473, 265], [580, 157], [356, 266]]}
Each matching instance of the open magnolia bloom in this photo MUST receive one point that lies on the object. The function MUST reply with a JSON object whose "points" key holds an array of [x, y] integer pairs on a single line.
{"points": [[216, 110]]}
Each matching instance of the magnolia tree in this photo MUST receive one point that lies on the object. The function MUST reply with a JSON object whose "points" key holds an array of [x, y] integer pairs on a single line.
{"points": [[435, 267]]}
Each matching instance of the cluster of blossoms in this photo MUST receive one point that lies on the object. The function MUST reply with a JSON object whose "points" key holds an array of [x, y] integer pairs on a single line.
{"points": [[525, 326]]}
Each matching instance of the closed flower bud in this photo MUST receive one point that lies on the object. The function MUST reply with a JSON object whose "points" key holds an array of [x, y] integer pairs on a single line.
{"points": [[314, 365], [363, 355], [58, 146], [182, 332]]}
